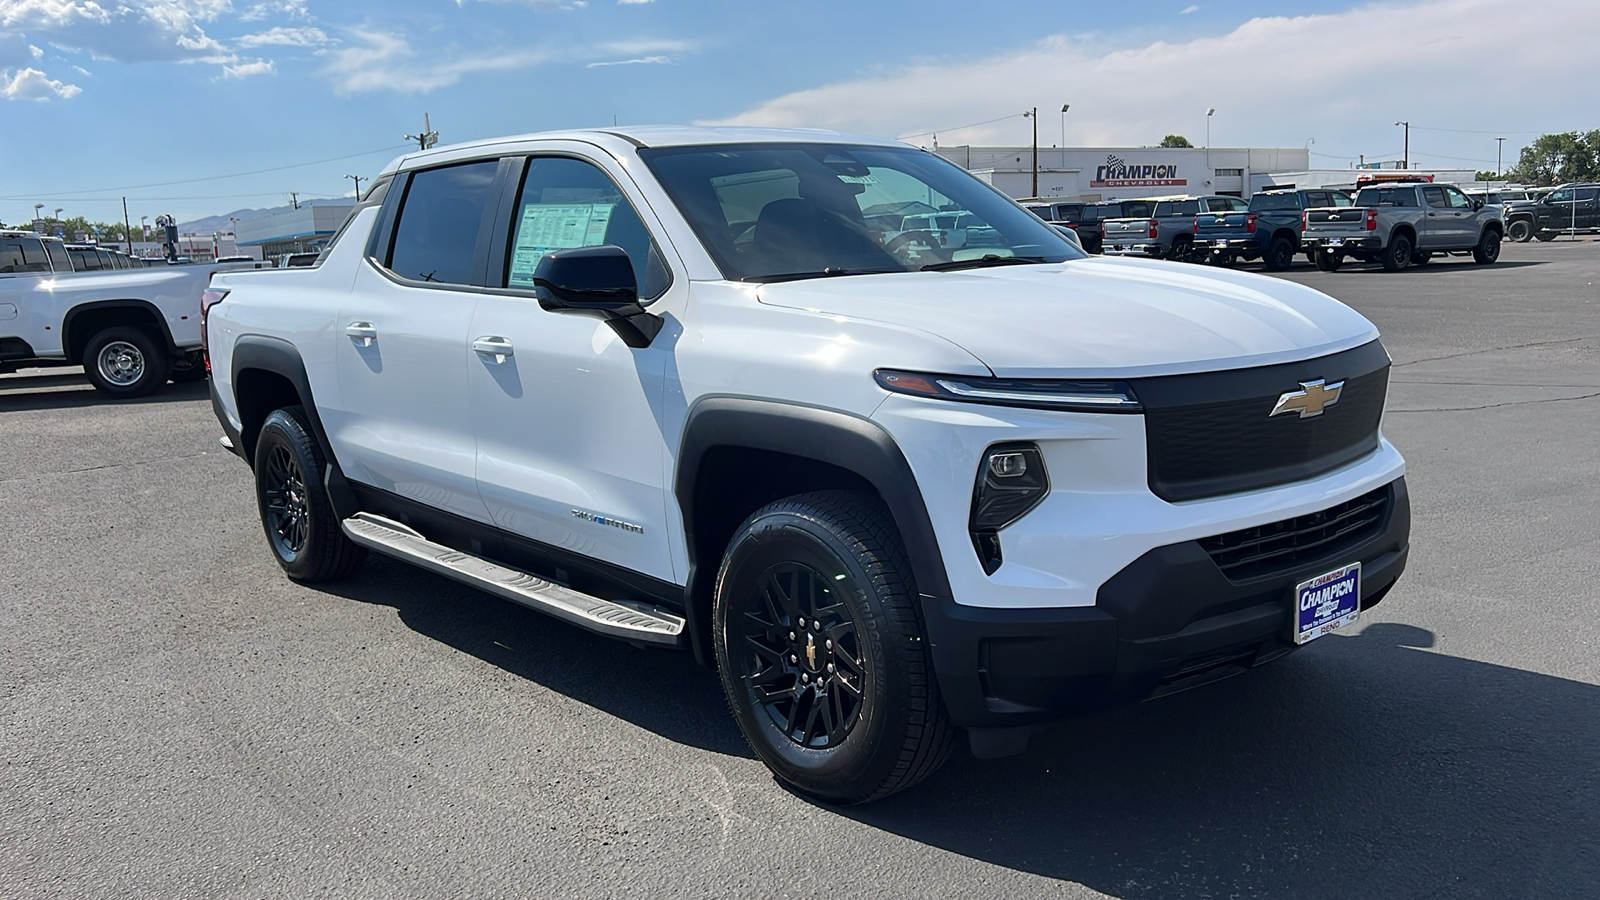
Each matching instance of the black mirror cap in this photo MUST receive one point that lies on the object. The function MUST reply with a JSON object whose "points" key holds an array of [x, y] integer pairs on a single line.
{"points": [[599, 278]]}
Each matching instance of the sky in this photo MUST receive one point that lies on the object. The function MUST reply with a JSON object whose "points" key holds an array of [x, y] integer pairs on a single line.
{"points": [[200, 107]]}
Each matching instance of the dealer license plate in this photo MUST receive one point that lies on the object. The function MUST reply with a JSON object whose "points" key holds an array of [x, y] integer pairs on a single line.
{"points": [[1220, 243], [1327, 603]]}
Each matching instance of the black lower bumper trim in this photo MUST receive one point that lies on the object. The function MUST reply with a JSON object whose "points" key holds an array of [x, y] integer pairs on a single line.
{"points": [[1167, 621]]}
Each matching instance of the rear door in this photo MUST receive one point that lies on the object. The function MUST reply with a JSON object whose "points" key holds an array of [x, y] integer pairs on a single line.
{"points": [[404, 421], [1588, 207], [571, 452]]}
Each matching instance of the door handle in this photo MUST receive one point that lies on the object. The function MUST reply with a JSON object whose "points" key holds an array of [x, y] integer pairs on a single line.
{"points": [[497, 347], [363, 332]]}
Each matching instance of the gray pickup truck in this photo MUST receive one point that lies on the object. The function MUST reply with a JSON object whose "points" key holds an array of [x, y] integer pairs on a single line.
{"points": [[1397, 225], [1168, 232]]}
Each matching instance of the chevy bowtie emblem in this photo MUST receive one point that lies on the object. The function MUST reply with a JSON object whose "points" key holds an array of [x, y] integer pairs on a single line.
{"points": [[811, 651], [1314, 397]]}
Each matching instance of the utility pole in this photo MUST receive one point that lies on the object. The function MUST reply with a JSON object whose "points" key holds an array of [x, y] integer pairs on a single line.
{"points": [[1405, 162], [1210, 111], [128, 225], [1499, 147], [357, 180], [1034, 115], [427, 138], [294, 199]]}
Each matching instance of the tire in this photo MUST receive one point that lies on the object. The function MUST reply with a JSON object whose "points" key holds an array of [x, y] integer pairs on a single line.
{"points": [[296, 513], [880, 725], [189, 368], [1182, 249], [1545, 236], [1226, 260], [1397, 255], [1520, 231], [1421, 257], [1329, 262], [1488, 249], [125, 362], [1280, 255]]}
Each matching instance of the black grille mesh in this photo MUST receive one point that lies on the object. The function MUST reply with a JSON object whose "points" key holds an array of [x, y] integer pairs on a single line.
{"points": [[1281, 546]]}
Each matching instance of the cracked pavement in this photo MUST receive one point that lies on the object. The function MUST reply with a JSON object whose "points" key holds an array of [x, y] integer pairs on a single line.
{"points": [[178, 720]]}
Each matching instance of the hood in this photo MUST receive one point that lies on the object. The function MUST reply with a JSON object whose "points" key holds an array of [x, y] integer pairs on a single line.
{"points": [[1097, 317]]}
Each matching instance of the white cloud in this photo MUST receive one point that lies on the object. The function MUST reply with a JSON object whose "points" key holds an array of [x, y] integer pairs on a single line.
{"points": [[387, 62], [37, 53], [246, 70], [293, 9], [32, 84], [633, 2], [1429, 62], [123, 31], [641, 61], [285, 37], [1188, 9]]}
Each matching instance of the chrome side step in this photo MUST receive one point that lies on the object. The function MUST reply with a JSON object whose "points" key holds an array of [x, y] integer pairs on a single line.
{"points": [[630, 622]]}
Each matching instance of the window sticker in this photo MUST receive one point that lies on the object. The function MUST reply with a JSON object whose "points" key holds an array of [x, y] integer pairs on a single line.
{"points": [[546, 227]]}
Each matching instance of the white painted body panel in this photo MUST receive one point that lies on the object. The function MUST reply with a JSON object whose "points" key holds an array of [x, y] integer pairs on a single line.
{"points": [[580, 421], [41, 302]]}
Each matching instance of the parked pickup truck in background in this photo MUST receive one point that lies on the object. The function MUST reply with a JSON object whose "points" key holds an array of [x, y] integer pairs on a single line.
{"points": [[1168, 232], [130, 329], [1569, 209], [1268, 229], [1085, 218], [1400, 224]]}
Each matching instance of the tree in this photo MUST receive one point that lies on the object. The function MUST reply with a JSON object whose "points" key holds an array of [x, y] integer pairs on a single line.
{"points": [[1559, 158], [1174, 140], [1486, 175]]}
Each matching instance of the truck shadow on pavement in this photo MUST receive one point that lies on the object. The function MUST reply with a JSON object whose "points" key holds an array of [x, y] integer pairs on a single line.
{"points": [[1452, 264], [54, 392], [661, 691], [1363, 766]]}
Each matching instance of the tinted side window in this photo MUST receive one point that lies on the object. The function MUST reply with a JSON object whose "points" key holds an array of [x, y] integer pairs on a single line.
{"points": [[58, 256], [1456, 199], [1339, 198], [1434, 197], [566, 203], [1265, 202], [437, 232], [1135, 209], [1562, 196], [22, 255], [1177, 208], [1586, 193]]}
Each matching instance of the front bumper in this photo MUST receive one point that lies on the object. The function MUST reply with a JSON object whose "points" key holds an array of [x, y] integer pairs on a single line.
{"points": [[1336, 242], [1147, 249], [1169, 620]]}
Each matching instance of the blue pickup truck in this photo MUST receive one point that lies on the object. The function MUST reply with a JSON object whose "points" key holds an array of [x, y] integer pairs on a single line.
{"points": [[1270, 230]]}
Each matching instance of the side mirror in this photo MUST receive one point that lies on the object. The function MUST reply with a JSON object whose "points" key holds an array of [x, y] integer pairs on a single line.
{"points": [[597, 280], [1477, 204]]}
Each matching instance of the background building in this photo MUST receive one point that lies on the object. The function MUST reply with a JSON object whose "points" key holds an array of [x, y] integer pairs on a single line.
{"points": [[1111, 173], [302, 230]]}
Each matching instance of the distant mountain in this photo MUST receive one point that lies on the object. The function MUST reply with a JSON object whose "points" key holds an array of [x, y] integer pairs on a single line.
{"points": [[221, 223]]}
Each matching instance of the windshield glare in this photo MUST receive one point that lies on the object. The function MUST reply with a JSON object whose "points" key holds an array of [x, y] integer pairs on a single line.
{"points": [[766, 211]]}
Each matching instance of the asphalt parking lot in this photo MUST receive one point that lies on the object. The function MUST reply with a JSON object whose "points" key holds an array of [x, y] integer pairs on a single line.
{"points": [[179, 720]]}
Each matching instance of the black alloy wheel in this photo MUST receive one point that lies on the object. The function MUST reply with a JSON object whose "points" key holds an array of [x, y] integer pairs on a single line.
{"points": [[802, 655], [1520, 231], [1182, 249], [1488, 249], [1397, 255], [819, 643], [295, 510], [1280, 254]]}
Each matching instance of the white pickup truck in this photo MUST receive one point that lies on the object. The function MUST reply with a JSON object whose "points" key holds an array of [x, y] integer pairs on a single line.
{"points": [[131, 329]]}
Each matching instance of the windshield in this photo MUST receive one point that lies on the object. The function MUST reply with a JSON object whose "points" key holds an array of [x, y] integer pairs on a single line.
{"points": [[772, 211], [1267, 202]]}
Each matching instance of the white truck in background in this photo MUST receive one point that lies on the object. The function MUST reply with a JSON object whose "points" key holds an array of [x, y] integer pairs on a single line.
{"points": [[132, 330]]}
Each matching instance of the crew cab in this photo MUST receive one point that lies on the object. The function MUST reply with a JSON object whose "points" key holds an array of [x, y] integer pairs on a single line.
{"points": [[1167, 232], [1398, 225], [132, 330], [1267, 229], [673, 386], [1567, 209]]}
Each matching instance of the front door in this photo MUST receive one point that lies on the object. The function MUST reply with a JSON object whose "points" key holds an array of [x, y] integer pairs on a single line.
{"points": [[569, 419], [404, 422], [1440, 227]]}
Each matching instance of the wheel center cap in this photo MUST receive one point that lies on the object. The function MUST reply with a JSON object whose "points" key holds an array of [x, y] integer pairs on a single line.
{"points": [[811, 652]]}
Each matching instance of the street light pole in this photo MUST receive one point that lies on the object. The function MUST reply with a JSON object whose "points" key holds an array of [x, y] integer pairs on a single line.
{"points": [[1209, 113], [1499, 147], [1064, 108], [1034, 115], [1405, 162]]}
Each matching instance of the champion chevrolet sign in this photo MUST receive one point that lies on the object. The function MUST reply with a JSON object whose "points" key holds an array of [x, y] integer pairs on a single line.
{"points": [[1118, 173]]}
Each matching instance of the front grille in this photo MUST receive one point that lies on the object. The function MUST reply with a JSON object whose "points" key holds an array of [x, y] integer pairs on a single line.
{"points": [[1210, 434], [1282, 546]]}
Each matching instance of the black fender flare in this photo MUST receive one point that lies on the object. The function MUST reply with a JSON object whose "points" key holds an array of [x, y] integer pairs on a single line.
{"points": [[279, 357], [68, 324], [836, 438]]}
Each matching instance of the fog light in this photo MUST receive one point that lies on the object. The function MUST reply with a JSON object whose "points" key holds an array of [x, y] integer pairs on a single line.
{"points": [[1011, 482], [1008, 465]]}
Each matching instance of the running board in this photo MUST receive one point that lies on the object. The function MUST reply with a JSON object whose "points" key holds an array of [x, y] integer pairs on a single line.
{"points": [[640, 623]]}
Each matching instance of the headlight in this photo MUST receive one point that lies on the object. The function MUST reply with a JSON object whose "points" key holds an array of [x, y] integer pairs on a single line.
{"points": [[1011, 481], [1032, 393]]}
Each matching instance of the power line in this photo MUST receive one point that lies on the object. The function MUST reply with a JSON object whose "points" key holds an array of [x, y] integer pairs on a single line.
{"points": [[959, 127], [1471, 131], [136, 187]]}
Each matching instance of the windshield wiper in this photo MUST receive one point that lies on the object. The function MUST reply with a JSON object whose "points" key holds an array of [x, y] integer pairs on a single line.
{"points": [[830, 272], [984, 262]]}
